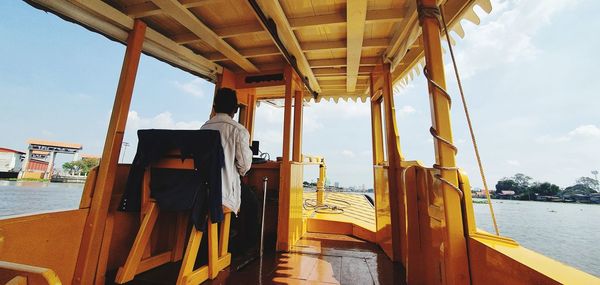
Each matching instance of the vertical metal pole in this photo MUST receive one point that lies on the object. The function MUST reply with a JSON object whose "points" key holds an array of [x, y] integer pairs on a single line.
{"points": [[262, 220]]}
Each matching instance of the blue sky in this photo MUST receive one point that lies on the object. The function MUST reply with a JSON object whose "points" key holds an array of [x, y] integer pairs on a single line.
{"points": [[529, 72]]}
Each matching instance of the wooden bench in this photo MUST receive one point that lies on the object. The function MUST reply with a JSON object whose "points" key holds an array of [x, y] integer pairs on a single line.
{"points": [[140, 258]]}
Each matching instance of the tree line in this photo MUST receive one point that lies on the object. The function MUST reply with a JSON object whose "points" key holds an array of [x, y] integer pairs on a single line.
{"points": [[80, 167], [525, 189]]}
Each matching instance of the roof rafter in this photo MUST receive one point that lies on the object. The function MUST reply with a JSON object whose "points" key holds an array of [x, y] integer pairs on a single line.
{"points": [[248, 53], [340, 71], [356, 12], [388, 15], [146, 9], [182, 15], [226, 32], [273, 9], [329, 45], [405, 29], [116, 25], [339, 62]]}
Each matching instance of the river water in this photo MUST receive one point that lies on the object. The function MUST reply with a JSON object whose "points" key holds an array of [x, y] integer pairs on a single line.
{"points": [[569, 233]]}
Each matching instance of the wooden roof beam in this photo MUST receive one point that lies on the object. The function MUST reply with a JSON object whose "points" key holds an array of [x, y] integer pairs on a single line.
{"points": [[340, 62], [329, 45], [327, 78], [405, 29], [182, 15], [272, 9], [146, 9], [388, 15], [340, 71], [226, 32], [247, 53], [356, 12]]}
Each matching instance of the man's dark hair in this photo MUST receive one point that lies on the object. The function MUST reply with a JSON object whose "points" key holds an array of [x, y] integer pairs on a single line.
{"points": [[226, 101]]}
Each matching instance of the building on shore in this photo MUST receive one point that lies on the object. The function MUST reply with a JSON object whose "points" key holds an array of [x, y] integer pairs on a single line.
{"points": [[11, 162]]}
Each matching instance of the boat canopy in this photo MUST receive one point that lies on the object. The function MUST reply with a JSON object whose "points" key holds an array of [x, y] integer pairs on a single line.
{"points": [[333, 45]]}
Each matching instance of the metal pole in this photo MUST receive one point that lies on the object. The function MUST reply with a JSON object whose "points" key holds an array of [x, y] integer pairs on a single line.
{"points": [[262, 220]]}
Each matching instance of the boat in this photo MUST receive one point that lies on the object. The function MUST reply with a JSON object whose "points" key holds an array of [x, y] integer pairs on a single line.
{"points": [[421, 228]]}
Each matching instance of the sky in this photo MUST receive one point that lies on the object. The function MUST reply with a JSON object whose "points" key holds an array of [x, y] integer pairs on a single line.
{"points": [[528, 70]]}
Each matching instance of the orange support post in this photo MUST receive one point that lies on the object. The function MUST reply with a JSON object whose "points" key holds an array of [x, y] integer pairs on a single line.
{"points": [[297, 145], [455, 245], [89, 251], [283, 225]]}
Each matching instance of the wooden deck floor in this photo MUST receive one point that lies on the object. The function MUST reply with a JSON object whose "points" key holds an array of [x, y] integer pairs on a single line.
{"points": [[316, 259]]}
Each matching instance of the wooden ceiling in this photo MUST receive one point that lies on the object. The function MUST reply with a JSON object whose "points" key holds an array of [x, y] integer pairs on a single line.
{"points": [[336, 43]]}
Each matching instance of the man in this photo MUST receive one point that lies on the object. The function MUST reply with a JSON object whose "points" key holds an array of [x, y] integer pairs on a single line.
{"points": [[235, 140]]}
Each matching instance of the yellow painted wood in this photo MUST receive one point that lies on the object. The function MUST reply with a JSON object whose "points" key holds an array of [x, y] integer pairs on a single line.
{"points": [[495, 260], [180, 233], [187, 274], [104, 250], [224, 235], [394, 157], [297, 143], [272, 8], [182, 15], [130, 268], [88, 189], [283, 225], [87, 261], [356, 12], [456, 268], [19, 280], [9, 272], [49, 240], [213, 250]]}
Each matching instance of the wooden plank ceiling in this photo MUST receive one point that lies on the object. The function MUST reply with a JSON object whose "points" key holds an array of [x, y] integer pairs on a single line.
{"points": [[336, 43], [228, 33]]}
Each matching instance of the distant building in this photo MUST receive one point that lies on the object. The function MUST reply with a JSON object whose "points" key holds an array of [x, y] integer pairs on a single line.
{"points": [[505, 194], [11, 162]]}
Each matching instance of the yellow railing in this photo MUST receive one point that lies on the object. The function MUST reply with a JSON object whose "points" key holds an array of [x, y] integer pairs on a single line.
{"points": [[493, 259]]}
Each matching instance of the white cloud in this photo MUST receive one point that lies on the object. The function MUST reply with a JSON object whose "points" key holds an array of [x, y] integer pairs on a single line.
{"points": [[590, 131], [348, 153], [196, 87], [508, 37], [581, 132], [513, 162], [406, 110], [163, 120]]}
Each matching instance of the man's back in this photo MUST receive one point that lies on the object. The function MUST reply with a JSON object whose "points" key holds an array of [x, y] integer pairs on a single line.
{"points": [[238, 156]]}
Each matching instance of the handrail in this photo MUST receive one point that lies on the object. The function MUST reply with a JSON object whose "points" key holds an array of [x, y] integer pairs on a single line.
{"points": [[33, 274]]}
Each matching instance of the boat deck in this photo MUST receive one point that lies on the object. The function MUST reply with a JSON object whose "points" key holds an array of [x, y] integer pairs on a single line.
{"points": [[315, 259]]}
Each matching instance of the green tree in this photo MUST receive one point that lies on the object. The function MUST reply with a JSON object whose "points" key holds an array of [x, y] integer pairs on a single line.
{"points": [[518, 183], [588, 182], [506, 184], [544, 189], [81, 167], [578, 189]]}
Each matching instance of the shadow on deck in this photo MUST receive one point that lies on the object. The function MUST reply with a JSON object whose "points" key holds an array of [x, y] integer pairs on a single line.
{"points": [[315, 259]]}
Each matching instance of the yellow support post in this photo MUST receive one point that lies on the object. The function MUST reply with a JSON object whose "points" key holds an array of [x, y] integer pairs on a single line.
{"points": [[283, 226], [89, 252], [455, 245], [321, 184]]}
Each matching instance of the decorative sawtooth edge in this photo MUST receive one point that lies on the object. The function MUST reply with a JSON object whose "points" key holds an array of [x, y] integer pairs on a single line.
{"points": [[468, 14]]}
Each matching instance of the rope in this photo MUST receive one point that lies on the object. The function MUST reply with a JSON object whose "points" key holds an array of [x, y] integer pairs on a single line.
{"points": [[434, 12], [311, 204], [466, 109]]}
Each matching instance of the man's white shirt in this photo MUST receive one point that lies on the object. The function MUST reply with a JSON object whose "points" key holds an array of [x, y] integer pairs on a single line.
{"points": [[235, 140]]}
